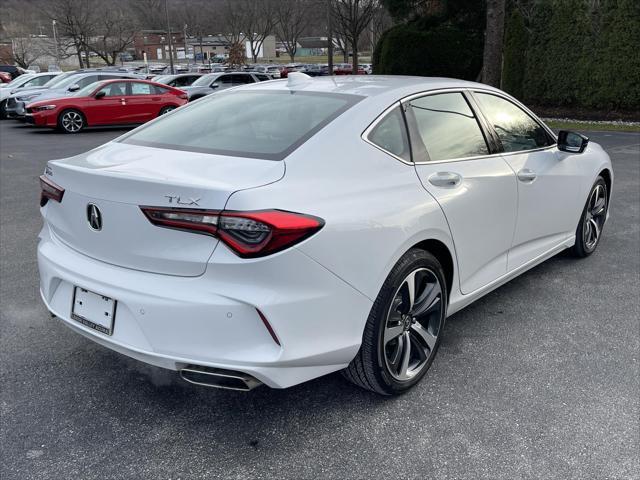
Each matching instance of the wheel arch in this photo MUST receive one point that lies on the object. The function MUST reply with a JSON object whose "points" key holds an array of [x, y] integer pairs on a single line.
{"points": [[439, 250], [606, 174]]}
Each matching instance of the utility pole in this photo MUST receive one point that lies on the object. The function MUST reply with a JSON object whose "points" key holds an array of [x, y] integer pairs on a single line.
{"points": [[329, 38], [55, 40], [166, 11], [186, 51]]}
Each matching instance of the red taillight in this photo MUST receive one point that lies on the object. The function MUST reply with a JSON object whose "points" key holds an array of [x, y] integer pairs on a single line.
{"points": [[49, 190], [248, 234]]}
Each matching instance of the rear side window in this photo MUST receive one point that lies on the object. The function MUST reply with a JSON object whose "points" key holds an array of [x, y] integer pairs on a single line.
{"points": [[447, 126], [241, 123], [262, 77], [390, 134], [141, 89], [115, 89], [515, 128]]}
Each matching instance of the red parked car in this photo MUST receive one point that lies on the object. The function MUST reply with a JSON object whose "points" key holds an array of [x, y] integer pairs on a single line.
{"points": [[5, 77], [347, 69], [110, 102]]}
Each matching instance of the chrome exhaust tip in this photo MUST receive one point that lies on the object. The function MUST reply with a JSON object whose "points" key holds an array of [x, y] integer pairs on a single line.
{"points": [[218, 378]]}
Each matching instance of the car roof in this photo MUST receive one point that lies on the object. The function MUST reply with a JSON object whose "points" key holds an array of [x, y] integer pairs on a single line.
{"points": [[103, 72], [131, 80], [370, 85]]}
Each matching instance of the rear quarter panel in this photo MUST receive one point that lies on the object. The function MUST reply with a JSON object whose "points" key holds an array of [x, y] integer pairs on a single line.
{"points": [[374, 206]]}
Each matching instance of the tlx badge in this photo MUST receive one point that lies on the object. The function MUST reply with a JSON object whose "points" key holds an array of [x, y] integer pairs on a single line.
{"points": [[181, 201]]}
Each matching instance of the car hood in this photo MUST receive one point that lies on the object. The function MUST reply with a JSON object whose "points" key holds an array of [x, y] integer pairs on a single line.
{"points": [[44, 94]]}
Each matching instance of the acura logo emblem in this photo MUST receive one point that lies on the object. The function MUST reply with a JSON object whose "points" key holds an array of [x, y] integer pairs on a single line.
{"points": [[94, 217]]}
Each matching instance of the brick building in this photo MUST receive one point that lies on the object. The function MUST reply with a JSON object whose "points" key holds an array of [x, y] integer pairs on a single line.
{"points": [[155, 43]]}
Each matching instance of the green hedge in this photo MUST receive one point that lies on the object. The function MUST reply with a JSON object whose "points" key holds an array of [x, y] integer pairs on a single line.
{"points": [[516, 40], [566, 53], [570, 56], [436, 51]]}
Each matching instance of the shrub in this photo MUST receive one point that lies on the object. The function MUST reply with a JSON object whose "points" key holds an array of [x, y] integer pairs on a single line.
{"points": [[574, 56], [516, 39], [421, 48]]}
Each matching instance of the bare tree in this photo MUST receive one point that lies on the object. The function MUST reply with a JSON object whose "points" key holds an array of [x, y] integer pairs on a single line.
{"points": [[340, 39], [494, 33], [232, 17], [75, 20], [292, 18], [257, 23], [380, 21], [114, 32], [26, 50], [149, 13], [351, 18], [19, 24]]}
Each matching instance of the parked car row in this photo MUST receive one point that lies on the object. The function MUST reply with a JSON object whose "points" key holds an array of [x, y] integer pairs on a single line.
{"points": [[72, 101], [212, 82], [273, 70], [108, 102], [62, 85]]}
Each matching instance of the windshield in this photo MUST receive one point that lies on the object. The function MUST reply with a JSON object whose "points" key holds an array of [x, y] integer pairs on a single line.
{"points": [[55, 81], [38, 81], [16, 82], [67, 82], [203, 81], [241, 123]]}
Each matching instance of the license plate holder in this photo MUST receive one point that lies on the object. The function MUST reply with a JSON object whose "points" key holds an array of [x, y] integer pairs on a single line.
{"points": [[93, 310]]}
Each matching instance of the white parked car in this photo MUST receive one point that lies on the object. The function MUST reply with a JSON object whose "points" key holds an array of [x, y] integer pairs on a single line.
{"points": [[240, 251], [27, 81]]}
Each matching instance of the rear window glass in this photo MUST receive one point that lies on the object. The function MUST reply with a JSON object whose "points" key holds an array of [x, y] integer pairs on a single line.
{"points": [[255, 124]]}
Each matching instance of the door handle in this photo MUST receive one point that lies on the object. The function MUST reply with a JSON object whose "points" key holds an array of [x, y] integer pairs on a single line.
{"points": [[526, 175], [123, 101], [445, 179]]}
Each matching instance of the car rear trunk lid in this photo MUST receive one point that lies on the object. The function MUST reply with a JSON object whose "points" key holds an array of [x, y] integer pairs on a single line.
{"points": [[117, 179]]}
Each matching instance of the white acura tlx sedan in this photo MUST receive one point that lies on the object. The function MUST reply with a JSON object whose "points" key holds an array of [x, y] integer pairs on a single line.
{"points": [[281, 231]]}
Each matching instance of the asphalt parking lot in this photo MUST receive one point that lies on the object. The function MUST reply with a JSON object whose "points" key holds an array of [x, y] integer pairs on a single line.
{"points": [[540, 379]]}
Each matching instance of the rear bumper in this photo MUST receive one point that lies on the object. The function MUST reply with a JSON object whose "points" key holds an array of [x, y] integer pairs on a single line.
{"points": [[211, 320]]}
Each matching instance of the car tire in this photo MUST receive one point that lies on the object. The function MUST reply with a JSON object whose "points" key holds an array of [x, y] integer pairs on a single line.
{"points": [[594, 215], [71, 121], [3, 110], [166, 109], [389, 363]]}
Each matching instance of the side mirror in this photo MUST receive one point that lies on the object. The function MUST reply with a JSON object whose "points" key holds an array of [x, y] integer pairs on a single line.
{"points": [[572, 142], [215, 85], [100, 94], [74, 88]]}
